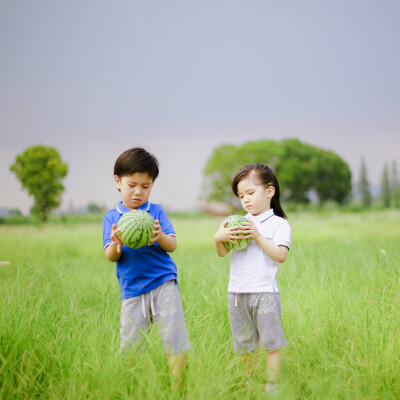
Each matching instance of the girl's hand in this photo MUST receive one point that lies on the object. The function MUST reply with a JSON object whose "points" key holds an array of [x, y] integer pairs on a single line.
{"points": [[250, 230], [115, 240], [276, 252], [229, 234], [157, 232]]}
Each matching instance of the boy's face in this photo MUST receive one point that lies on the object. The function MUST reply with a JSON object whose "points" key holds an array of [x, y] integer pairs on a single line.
{"points": [[135, 189]]}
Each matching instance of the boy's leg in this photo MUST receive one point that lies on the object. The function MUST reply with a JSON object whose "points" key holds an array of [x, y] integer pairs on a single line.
{"points": [[134, 321], [170, 320]]}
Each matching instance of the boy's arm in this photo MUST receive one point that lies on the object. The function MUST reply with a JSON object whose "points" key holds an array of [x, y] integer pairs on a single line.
{"points": [[166, 242], [113, 250]]}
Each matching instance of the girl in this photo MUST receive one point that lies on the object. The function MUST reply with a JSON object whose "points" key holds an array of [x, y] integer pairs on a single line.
{"points": [[253, 293]]}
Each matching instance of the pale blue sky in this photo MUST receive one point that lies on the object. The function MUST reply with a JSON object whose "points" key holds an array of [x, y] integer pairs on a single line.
{"points": [[94, 78]]}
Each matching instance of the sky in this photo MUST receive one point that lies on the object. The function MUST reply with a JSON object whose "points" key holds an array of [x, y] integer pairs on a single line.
{"points": [[180, 78]]}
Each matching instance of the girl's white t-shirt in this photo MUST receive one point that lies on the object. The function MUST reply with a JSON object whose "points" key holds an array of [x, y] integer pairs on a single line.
{"points": [[253, 271]]}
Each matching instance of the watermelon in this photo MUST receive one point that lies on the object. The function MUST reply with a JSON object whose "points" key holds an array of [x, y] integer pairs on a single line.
{"points": [[136, 228], [236, 220]]}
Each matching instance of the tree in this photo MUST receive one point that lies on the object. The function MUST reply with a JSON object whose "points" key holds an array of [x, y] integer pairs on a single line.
{"points": [[299, 167], [15, 212], [95, 208], [395, 186], [40, 171], [294, 171], [332, 177], [226, 161], [363, 186], [385, 187]]}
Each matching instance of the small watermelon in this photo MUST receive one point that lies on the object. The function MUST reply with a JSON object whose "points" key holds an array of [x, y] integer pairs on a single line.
{"points": [[236, 220], [136, 228]]}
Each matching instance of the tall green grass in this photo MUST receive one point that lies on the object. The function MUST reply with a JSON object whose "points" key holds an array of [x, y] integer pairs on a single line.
{"points": [[59, 320]]}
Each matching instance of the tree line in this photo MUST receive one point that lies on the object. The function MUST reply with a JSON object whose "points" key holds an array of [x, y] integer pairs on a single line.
{"points": [[306, 173], [389, 186]]}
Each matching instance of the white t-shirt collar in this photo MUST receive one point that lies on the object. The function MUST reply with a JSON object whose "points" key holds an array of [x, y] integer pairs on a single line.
{"points": [[261, 217]]}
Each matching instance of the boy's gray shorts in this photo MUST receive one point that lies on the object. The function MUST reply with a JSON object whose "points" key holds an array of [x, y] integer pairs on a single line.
{"points": [[256, 318], [163, 306]]}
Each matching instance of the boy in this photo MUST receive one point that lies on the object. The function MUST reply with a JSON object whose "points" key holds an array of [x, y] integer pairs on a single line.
{"points": [[147, 276]]}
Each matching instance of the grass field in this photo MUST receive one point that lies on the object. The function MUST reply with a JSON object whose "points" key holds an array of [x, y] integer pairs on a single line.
{"points": [[340, 288]]}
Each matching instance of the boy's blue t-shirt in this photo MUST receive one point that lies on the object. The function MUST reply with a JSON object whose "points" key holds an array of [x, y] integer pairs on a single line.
{"points": [[141, 270]]}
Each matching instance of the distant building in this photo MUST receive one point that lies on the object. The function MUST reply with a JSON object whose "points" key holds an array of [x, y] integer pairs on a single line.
{"points": [[215, 208], [9, 212]]}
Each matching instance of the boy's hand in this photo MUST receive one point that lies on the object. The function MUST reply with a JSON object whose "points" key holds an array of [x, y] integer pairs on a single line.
{"points": [[229, 234], [114, 249], [115, 240], [157, 232]]}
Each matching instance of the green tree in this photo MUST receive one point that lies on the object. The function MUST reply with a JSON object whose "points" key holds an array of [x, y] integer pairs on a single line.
{"points": [[226, 161], [303, 168], [298, 166], [95, 208], [385, 187], [363, 186], [331, 177], [40, 171], [395, 185], [294, 170], [15, 212]]}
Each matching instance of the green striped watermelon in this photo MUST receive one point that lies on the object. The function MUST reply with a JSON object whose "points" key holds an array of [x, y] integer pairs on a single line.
{"points": [[136, 228], [236, 220]]}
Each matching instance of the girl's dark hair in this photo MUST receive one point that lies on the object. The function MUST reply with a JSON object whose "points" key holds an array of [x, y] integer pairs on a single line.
{"points": [[267, 178], [135, 160]]}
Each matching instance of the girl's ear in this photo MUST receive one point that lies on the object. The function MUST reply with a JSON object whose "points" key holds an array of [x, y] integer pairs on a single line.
{"points": [[270, 192]]}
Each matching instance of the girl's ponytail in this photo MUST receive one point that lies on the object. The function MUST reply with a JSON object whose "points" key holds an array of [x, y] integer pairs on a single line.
{"points": [[275, 201]]}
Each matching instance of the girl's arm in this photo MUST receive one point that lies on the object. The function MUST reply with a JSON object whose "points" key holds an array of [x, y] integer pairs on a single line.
{"points": [[222, 251], [226, 235], [166, 242], [277, 253], [113, 250]]}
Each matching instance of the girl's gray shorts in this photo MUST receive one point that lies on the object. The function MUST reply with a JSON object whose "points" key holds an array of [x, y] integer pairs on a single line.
{"points": [[256, 318], [163, 306]]}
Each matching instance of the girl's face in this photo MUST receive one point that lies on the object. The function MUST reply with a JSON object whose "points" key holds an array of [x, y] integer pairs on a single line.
{"points": [[254, 196], [135, 189]]}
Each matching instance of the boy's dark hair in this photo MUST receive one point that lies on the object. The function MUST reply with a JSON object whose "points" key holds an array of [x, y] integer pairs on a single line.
{"points": [[135, 160], [267, 178]]}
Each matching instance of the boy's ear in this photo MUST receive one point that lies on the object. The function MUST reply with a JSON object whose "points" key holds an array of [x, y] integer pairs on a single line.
{"points": [[117, 182]]}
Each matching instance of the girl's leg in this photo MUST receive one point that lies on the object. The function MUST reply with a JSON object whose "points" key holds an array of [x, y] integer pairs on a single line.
{"points": [[274, 365], [176, 365], [250, 361]]}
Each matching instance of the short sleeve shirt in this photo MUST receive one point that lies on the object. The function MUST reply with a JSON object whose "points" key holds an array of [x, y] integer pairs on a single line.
{"points": [[141, 270], [253, 271]]}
